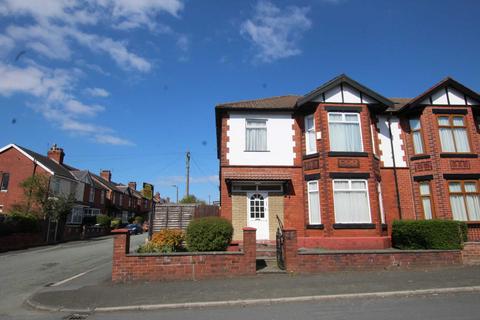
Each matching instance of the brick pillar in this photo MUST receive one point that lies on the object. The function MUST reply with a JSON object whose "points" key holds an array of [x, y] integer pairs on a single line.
{"points": [[291, 249], [121, 246], [250, 249]]}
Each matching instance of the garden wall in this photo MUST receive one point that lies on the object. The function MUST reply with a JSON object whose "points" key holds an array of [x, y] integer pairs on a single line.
{"points": [[19, 241], [181, 265], [473, 231], [311, 261], [471, 253]]}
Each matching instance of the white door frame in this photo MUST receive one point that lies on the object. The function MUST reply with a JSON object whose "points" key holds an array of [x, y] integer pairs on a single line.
{"points": [[261, 224]]}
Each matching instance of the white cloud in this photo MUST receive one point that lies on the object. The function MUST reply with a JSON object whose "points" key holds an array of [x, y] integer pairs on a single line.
{"points": [[113, 140], [97, 92], [276, 32]]}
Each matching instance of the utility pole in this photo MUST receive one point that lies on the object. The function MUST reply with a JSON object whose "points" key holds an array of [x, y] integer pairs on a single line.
{"points": [[176, 187], [188, 173]]}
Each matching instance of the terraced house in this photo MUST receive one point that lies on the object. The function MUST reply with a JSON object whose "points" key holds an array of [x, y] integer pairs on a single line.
{"points": [[341, 162]]}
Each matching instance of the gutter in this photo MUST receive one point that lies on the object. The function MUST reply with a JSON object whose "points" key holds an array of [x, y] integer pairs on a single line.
{"points": [[394, 166]]}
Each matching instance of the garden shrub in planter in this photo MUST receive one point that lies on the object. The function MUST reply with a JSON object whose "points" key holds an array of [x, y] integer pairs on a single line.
{"points": [[428, 234], [169, 240], [209, 234]]}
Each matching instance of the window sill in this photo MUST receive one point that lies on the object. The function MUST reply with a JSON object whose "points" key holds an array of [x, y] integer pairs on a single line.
{"points": [[347, 154], [315, 226], [256, 150], [419, 157], [310, 156], [458, 155], [353, 226]]}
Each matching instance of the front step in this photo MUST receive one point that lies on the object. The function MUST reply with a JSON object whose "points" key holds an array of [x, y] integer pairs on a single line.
{"points": [[266, 252], [268, 265]]}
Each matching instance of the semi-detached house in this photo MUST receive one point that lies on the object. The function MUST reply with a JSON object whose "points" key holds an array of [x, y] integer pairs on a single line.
{"points": [[340, 163]]}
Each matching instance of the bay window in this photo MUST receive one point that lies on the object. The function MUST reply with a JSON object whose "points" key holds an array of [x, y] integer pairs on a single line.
{"points": [[345, 132], [464, 200], [453, 134], [310, 139], [416, 130], [351, 203], [313, 203], [426, 197], [256, 135]]}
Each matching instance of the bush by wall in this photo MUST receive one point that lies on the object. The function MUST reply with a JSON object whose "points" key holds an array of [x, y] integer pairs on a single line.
{"points": [[169, 240], [138, 220], [104, 220], [19, 223], [209, 234], [428, 234], [89, 220], [115, 224]]}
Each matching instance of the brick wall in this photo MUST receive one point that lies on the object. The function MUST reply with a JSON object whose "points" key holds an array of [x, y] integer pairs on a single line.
{"points": [[473, 231], [296, 261], [181, 266], [19, 241], [471, 253]]}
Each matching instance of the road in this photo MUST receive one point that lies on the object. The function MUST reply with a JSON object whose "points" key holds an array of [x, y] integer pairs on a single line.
{"points": [[26, 271]]}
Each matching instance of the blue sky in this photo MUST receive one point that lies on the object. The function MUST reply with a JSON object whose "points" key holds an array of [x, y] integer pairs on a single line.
{"points": [[130, 86]]}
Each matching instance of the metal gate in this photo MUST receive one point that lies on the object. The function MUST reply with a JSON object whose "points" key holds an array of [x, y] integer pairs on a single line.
{"points": [[280, 237]]}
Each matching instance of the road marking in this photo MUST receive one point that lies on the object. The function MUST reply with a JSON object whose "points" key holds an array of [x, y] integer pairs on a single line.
{"points": [[56, 284]]}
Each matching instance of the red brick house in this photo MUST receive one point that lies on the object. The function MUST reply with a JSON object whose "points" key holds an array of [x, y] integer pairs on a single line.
{"points": [[93, 194], [340, 163]]}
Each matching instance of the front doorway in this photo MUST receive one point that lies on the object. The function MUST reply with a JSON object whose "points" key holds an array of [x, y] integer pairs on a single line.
{"points": [[257, 213]]}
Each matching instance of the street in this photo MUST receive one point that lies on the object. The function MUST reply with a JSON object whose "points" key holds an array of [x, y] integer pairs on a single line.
{"points": [[24, 272]]}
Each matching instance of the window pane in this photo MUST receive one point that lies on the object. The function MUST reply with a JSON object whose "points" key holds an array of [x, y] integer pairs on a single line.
{"points": [[446, 139], [5, 178], [340, 185], [470, 187], [415, 124], [427, 208], [253, 123], [424, 189], [473, 206], [417, 142], [345, 137], [455, 187], [458, 208], [351, 207], [335, 117], [256, 139], [311, 142], [314, 207], [443, 121], [359, 185], [351, 117], [312, 186], [461, 140], [458, 121], [309, 123]]}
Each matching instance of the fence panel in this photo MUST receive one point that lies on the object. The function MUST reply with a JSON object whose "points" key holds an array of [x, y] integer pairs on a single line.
{"points": [[177, 216]]}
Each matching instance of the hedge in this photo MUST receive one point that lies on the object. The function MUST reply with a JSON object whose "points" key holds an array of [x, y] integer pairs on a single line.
{"points": [[209, 234], [104, 220], [429, 234], [19, 223]]}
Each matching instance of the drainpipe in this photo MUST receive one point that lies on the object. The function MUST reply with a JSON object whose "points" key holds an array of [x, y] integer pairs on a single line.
{"points": [[394, 166]]}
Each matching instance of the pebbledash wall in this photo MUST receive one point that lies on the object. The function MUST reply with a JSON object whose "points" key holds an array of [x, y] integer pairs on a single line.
{"points": [[128, 266]]}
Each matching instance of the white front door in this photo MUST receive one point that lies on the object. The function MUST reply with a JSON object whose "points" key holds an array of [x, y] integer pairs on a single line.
{"points": [[257, 210]]}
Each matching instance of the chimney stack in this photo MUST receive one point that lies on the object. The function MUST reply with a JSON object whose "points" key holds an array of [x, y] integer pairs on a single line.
{"points": [[56, 154], [106, 174], [132, 185]]}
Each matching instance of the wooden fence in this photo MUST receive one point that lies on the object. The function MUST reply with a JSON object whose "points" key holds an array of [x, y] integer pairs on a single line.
{"points": [[177, 216]]}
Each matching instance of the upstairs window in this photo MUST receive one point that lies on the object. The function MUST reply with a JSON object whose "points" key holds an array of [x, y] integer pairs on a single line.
{"points": [[56, 186], [102, 197], [453, 134], [345, 132], [91, 196], [310, 139], [351, 203], [425, 195], [121, 200], [4, 179], [256, 135], [417, 139], [464, 200]]}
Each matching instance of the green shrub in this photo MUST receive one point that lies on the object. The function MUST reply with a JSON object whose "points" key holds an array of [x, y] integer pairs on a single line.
{"points": [[104, 220], [89, 220], [169, 240], [115, 224], [209, 234], [19, 223], [6, 228], [428, 234], [138, 220]]}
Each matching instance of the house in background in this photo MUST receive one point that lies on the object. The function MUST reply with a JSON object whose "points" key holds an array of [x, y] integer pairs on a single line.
{"points": [[340, 163], [93, 194]]}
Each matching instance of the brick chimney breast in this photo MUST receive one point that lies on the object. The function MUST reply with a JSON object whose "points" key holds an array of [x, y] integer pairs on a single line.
{"points": [[132, 185], [106, 174], [56, 154]]}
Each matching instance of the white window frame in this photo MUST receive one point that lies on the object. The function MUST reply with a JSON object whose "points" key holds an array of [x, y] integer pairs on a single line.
{"points": [[2, 176], [247, 127], [380, 202], [352, 190], [343, 114], [317, 191], [308, 148], [372, 133], [413, 131]]}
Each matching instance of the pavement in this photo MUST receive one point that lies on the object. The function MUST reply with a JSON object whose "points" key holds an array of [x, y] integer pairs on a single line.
{"points": [[81, 295]]}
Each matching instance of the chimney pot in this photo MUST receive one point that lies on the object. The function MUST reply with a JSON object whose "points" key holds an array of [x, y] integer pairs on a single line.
{"points": [[106, 174], [56, 154]]}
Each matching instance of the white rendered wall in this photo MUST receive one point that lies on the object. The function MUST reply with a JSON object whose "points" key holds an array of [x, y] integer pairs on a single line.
{"points": [[455, 97], [385, 146], [344, 94], [280, 143]]}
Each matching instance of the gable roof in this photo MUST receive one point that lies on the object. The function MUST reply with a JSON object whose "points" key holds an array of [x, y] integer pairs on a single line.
{"points": [[105, 183], [446, 82], [287, 102], [343, 78], [45, 162]]}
